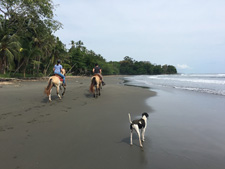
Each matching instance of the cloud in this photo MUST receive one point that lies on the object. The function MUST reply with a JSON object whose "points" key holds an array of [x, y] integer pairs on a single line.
{"points": [[183, 66]]}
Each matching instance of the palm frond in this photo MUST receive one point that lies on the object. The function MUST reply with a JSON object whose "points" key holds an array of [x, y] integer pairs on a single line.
{"points": [[9, 55]]}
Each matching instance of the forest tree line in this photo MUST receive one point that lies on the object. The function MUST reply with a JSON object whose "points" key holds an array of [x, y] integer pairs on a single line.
{"points": [[28, 46]]}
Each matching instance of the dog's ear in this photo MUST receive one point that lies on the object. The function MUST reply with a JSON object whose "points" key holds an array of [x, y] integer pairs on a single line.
{"points": [[145, 114]]}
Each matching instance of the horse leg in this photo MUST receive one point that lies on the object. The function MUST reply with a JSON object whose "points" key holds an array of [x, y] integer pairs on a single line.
{"points": [[99, 88], [64, 90], [96, 91], [57, 89], [49, 97], [100, 85]]}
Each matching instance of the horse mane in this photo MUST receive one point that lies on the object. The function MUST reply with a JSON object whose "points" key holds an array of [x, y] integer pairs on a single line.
{"points": [[63, 72], [48, 88], [93, 82]]}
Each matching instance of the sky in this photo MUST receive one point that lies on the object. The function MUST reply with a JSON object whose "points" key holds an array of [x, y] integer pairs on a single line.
{"points": [[188, 34]]}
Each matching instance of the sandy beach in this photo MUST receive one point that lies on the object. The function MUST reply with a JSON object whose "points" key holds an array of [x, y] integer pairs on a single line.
{"points": [[185, 130], [78, 131]]}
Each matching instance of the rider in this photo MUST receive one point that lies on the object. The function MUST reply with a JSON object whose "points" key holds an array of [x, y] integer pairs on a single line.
{"points": [[98, 70], [57, 70]]}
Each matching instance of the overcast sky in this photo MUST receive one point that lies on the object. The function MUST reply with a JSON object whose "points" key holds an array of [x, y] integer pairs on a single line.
{"points": [[189, 34]]}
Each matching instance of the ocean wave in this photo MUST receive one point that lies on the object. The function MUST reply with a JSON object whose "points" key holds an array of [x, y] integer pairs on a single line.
{"points": [[202, 90], [198, 83], [191, 80], [204, 75]]}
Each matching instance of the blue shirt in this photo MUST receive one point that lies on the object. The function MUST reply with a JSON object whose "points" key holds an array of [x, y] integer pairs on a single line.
{"points": [[58, 68]]}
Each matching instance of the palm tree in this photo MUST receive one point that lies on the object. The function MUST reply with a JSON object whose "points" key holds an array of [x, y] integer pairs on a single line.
{"points": [[72, 44], [28, 54], [79, 44], [9, 48]]}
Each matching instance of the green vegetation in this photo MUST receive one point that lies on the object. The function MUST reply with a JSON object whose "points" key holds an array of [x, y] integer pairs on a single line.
{"points": [[28, 46], [130, 67]]}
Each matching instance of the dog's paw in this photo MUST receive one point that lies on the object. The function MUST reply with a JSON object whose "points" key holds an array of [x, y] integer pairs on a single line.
{"points": [[131, 144], [141, 146]]}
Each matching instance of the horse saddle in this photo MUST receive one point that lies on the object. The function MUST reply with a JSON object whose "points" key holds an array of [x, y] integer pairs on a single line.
{"points": [[60, 78], [98, 76]]}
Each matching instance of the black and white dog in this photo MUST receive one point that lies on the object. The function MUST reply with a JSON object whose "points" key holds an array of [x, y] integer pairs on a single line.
{"points": [[136, 125]]}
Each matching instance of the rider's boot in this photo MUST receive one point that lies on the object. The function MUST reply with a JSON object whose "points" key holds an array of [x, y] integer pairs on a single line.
{"points": [[103, 83]]}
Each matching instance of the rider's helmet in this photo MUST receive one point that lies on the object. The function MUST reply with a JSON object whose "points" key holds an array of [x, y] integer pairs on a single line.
{"points": [[96, 64], [58, 61]]}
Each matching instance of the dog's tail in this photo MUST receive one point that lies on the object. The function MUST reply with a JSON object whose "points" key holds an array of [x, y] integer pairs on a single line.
{"points": [[129, 118]]}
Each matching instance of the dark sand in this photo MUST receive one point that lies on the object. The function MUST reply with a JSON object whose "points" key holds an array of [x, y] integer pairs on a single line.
{"points": [[75, 132], [185, 130]]}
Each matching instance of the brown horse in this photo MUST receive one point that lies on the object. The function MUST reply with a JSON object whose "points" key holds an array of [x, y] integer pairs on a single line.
{"points": [[56, 82], [95, 86]]}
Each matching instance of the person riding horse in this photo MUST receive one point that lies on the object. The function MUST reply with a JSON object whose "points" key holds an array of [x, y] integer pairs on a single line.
{"points": [[58, 69], [98, 70]]}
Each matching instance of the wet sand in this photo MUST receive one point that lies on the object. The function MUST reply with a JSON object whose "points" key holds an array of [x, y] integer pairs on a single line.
{"points": [[187, 130], [78, 131]]}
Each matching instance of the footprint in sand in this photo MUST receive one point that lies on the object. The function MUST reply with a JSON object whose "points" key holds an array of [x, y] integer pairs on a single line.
{"points": [[85, 103], [10, 128], [32, 121], [17, 115], [1, 129]]}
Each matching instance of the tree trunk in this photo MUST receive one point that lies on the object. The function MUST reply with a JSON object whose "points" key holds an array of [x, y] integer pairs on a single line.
{"points": [[1, 67], [38, 65], [19, 67], [24, 72], [3, 64]]}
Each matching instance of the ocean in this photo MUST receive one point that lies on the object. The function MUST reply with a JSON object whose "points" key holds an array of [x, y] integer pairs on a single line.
{"points": [[204, 83], [186, 123]]}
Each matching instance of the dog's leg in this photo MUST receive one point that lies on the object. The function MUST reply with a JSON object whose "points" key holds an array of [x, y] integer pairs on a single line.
{"points": [[131, 136], [143, 134], [138, 133]]}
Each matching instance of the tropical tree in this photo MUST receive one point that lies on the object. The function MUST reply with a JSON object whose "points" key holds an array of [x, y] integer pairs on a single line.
{"points": [[9, 48], [126, 66], [171, 70], [32, 19], [79, 44], [28, 45]]}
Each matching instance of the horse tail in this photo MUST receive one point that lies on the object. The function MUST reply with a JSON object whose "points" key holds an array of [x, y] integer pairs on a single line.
{"points": [[93, 82], [48, 88]]}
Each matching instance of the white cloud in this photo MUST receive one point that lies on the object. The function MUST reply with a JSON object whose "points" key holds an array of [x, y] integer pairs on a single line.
{"points": [[183, 66]]}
